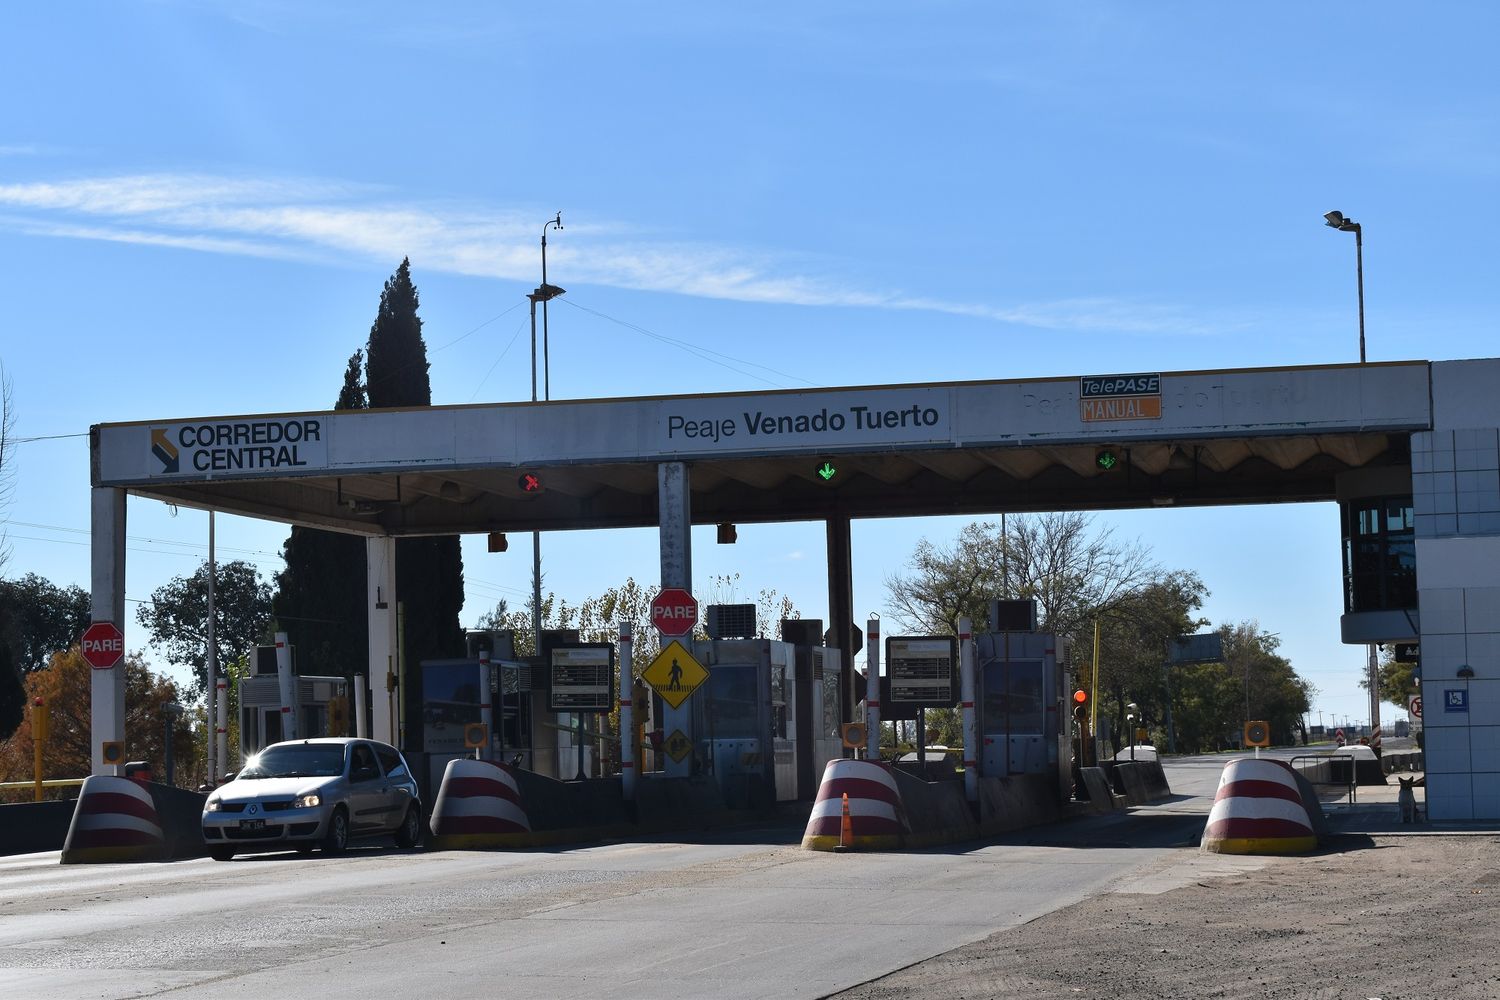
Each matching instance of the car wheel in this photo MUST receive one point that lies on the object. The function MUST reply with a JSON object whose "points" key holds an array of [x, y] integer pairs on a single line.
{"points": [[337, 837], [221, 855], [409, 833]]}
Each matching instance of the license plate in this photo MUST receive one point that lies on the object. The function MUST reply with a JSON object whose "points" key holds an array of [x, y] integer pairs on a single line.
{"points": [[252, 824]]}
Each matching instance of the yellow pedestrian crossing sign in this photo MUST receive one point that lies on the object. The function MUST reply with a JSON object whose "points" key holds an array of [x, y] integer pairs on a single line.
{"points": [[674, 674]]}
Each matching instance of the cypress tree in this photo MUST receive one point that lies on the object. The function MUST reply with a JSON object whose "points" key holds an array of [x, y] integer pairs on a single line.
{"points": [[429, 571], [320, 595]]}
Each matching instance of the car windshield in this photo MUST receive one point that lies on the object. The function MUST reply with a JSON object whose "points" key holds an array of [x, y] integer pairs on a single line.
{"points": [[298, 761]]}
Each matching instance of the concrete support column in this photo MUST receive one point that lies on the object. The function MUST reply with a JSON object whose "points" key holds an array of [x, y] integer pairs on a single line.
{"points": [[841, 607], [107, 579], [674, 498], [380, 583]]}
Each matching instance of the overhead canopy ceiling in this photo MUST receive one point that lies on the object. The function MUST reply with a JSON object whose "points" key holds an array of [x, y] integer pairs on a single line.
{"points": [[969, 448]]}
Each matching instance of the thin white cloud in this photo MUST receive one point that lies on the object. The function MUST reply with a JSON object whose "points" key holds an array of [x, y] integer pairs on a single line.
{"points": [[27, 149], [302, 219]]}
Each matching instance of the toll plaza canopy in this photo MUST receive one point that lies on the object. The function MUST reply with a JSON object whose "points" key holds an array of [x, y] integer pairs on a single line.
{"points": [[1090, 442]]}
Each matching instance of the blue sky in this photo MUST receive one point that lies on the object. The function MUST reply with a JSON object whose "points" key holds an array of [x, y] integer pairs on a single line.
{"points": [[199, 202]]}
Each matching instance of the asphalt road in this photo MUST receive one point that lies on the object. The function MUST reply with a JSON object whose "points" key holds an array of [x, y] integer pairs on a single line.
{"points": [[743, 914]]}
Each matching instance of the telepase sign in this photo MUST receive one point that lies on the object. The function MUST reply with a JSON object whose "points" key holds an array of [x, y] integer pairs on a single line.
{"points": [[248, 445], [821, 420]]}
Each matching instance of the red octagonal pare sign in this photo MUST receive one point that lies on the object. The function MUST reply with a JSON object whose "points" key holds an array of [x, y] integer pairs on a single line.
{"points": [[102, 645], [674, 611]]}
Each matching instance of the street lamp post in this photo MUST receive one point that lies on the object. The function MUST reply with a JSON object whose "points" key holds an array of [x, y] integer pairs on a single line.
{"points": [[1337, 220], [543, 294]]}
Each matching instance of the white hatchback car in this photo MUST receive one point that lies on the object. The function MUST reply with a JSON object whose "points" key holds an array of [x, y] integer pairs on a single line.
{"points": [[314, 793]]}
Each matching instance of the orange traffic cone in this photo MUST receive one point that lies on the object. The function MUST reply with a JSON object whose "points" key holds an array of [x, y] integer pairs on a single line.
{"points": [[846, 828]]}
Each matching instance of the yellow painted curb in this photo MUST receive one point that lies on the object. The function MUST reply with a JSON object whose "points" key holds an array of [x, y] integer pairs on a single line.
{"points": [[1261, 845]]}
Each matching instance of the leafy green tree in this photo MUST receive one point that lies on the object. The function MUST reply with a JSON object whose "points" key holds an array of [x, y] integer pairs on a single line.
{"points": [[429, 571], [320, 594], [176, 617], [12, 691], [1133, 638], [39, 618], [1397, 680], [1073, 571], [1271, 688], [65, 683]]}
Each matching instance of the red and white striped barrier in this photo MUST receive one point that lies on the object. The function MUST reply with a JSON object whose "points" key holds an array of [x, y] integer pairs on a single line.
{"points": [[1259, 810], [115, 820], [876, 816], [478, 806]]}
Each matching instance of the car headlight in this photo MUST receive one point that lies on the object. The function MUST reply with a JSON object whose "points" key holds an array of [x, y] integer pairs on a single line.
{"points": [[213, 804], [307, 801]]}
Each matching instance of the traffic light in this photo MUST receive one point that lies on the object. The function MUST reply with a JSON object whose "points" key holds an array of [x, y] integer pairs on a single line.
{"points": [[1106, 459], [529, 482], [826, 471], [1080, 704]]}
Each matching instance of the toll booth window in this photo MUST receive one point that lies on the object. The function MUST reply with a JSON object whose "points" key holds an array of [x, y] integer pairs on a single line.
{"points": [[832, 697], [249, 732], [731, 707], [1021, 711], [314, 720], [1380, 555]]}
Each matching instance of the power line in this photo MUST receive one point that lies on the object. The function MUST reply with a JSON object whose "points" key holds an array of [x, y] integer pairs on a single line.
{"points": [[702, 353], [46, 437]]}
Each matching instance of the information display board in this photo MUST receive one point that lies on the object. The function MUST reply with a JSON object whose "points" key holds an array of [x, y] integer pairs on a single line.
{"points": [[583, 677], [923, 670]]}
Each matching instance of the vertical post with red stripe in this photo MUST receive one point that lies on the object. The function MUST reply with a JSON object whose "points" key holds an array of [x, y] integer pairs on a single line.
{"points": [[971, 722], [627, 715], [288, 687], [872, 688]]}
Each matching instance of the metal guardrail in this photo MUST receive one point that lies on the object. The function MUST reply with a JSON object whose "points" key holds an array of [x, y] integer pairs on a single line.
{"points": [[1350, 784], [46, 783]]}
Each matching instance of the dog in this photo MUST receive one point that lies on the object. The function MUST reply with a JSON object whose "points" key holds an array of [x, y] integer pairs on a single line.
{"points": [[1406, 801]]}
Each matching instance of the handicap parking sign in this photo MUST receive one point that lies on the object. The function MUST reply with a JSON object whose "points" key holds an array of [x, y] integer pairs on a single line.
{"points": [[1456, 700]]}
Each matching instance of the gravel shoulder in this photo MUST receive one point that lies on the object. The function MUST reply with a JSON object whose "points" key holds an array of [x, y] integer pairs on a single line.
{"points": [[1400, 917]]}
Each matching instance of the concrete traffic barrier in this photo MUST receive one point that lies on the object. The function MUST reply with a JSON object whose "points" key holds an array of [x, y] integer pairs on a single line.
{"points": [[115, 820], [1101, 797], [876, 816], [1259, 809], [478, 806]]}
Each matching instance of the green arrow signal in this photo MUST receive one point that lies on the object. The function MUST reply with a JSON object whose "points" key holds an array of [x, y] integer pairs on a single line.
{"points": [[827, 471]]}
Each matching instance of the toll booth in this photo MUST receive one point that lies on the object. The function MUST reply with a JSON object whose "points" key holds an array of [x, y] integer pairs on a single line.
{"points": [[1023, 685], [323, 709], [766, 721], [451, 690]]}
